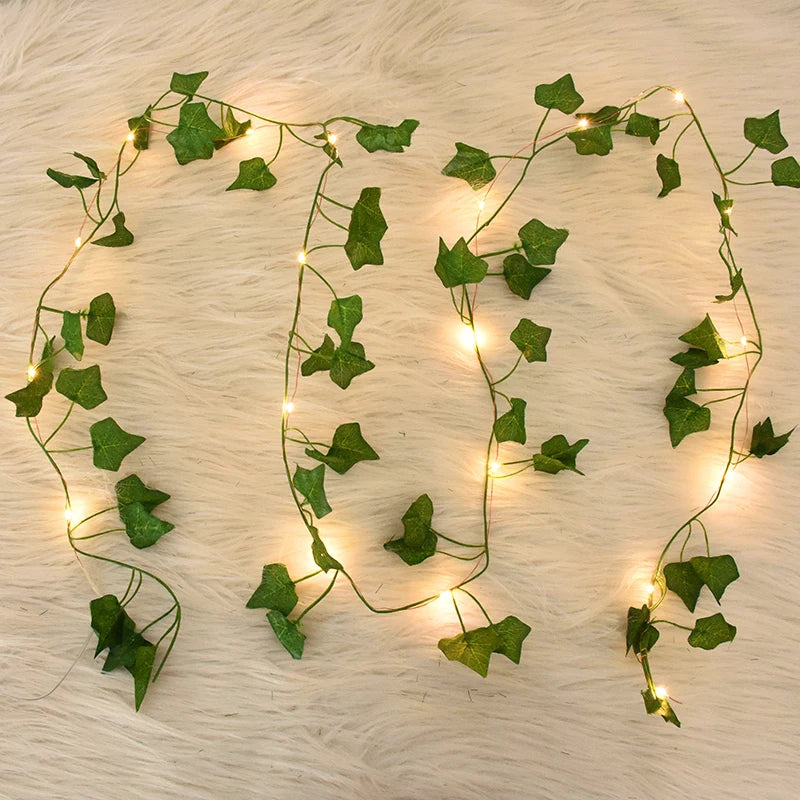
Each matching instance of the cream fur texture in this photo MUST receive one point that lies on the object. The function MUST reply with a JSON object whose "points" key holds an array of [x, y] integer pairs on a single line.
{"points": [[373, 711]]}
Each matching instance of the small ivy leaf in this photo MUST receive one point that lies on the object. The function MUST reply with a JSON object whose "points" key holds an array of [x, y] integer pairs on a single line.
{"points": [[765, 132], [638, 621], [132, 490], [232, 128], [68, 181], [419, 539], [685, 385], [706, 337], [195, 135], [521, 276], [92, 165], [187, 84], [659, 706], [321, 359], [716, 572], [648, 639], [385, 137], [343, 316], [72, 335], [711, 631], [28, 400], [694, 358], [140, 128], [332, 153], [736, 283], [348, 362], [459, 266], [643, 125], [724, 207], [540, 242], [592, 141], [107, 621], [560, 95], [786, 172], [322, 558], [472, 165], [685, 417], [276, 590], [684, 581], [366, 229], [288, 633], [253, 174], [111, 444], [347, 449], [473, 649], [607, 115], [510, 427], [511, 633], [82, 386], [142, 670], [100, 319], [764, 442], [310, 484], [531, 340], [121, 237], [670, 174], [143, 529], [557, 454]]}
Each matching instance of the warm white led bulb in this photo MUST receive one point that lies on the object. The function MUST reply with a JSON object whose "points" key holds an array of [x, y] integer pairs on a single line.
{"points": [[679, 98], [288, 407], [446, 596], [494, 468], [68, 514], [471, 337], [78, 241], [481, 205], [583, 122], [331, 138], [130, 136], [743, 341], [661, 693], [31, 372], [301, 257], [249, 132], [650, 588]]}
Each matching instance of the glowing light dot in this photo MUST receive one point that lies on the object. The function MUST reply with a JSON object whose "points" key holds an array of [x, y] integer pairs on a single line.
{"points": [[481, 205], [494, 468], [288, 407], [446, 596], [78, 241], [301, 257], [249, 132], [661, 693], [679, 98], [68, 514], [331, 138], [583, 122], [130, 136], [743, 341], [727, 211], [472, 337], [650, 588], [31, 372]]}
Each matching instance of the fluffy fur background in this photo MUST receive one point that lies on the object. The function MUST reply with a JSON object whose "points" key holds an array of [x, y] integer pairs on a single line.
{"points": [[373, 710]]}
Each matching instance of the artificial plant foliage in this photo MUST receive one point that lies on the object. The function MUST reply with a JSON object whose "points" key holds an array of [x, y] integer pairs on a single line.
{"points": [[510, 427], [132, 489], [557, 454], [560, 95], [385, 137], [541, 242], [100, 318], [669, 172], [232, 128], [472, 165], [195, 134], [521, 276], [765, 132], [143, 528], [531, 340], [121, 237], [709, 632], [643, 125], [288, 633], [276, 590], [111, 444], [764, 442], [786, 172], [253, 174], [457, 266], [29, 399], [72, 334], [685, 417], [347, 449], [311, 484], [419, 539], [366, 229], [82, 386], [682, 579]]}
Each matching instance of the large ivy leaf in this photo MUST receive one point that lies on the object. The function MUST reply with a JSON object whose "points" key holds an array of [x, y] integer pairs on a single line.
{"points": [[706, 337], [510, 427], [764, 442], [659, 706], [472, 165], [253, 174], [531, 340], [275, 591], [288, 633], [459, 266], [140, 128], [685, 385], [385, 137], [111, 444], [28, 400], [765, 132], [82, 386], [343, 316], [187, 84], [716, 572], [121, 237], [71, 333], [724, 206], [694, 358], [347, 449], [511, 633], [310, 484], [100, 319], [107, 616], [643, 125], [637, 622], [560, 95], [348, 361], [684, 581], [322, 558], [592, 141], [685, 417], [711, 631], [142, 527], [366, 229], [540, 242], [132, 490], [786, 172], [669, 172], [473, 649], [194, 137], [521, 276], [232, 128], [419, 539], [69, 181], [557, 454]]}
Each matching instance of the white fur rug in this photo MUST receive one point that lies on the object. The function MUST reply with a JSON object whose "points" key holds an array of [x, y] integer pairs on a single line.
{"points": [[373, 710]]}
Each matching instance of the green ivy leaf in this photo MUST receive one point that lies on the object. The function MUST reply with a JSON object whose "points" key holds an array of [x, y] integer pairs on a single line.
{"points": [[343, 316], [253, 174], [540, 242], [132, 490], [348, 361], [684, 581], [510, 427], [459, 266], [82, 386], [648, 639], [322, 558], [643, 125], [638, 621], [107, 621], [694, 358], [288, 633], [68, 181], [472, 165], [92, 165], [685, 417], [232, 128], [711, 631], [716, 572], [511, 633], [521, 276], [310, 484], [685, 385], [347, 449], [736, 283], [72, 335], [764, 442], [194, 137], [531, 340], [661, 707], [140, 128], [187, 84], [670, 174], [28, 400], [786, 172], [121, 237], [385, 137], [706, 337], [724, 207], [419, 539], [473, 649], [557, 454], [765, 132], [111, 444], [560, 95], [100, 319], [366, 229], [142, 527], [276, 590], [321, 358], [592, 141]]}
